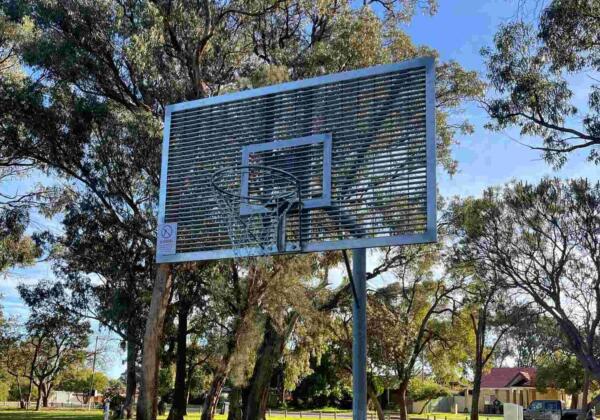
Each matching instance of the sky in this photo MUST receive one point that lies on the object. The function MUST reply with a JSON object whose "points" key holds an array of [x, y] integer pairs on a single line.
{"points": [[458, 31]]}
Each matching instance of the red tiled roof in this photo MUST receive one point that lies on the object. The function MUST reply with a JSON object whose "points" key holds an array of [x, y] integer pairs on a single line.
{"points": [[502, 377]]}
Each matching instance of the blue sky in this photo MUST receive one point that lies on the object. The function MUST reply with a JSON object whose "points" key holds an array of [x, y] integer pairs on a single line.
{"points": [[458, 31]]}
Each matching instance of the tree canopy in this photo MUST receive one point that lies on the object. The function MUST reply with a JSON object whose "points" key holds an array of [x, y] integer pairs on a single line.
{"points": [[531, 70], [543, 240]]}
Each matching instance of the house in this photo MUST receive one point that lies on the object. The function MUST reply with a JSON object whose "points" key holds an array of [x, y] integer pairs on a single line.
{"points": [[511, 385]]}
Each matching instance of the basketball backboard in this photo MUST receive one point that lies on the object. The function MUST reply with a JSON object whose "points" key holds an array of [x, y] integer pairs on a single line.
{"points": [[360, 143]]}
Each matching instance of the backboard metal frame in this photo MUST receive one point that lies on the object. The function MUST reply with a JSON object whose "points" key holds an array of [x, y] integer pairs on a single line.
{"points": [[430, 233]]}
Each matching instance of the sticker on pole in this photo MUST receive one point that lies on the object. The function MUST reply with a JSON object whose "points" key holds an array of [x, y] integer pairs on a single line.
{"points": [[167, 238]]}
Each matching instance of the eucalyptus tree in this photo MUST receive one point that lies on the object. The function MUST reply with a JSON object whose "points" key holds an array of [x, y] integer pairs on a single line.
{"points": [[534, 338], [490, 309], [57, 340], [563, 371], [90, 109], [14, 356], [544, 240], [411, 315], [490, 312], [295, 311], [533, 70], [16, 247], [191, 292]]}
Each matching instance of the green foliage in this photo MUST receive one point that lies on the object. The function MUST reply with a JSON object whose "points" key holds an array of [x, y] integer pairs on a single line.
{"points": [[411, 316], [532, 340], [166, 381], [325, 386], [16, 248], [5, 386], [530, 67], [55, 340], [562, 371], [426, 389], [79, 379], [114, 392], [95, 120], [543, 240]]}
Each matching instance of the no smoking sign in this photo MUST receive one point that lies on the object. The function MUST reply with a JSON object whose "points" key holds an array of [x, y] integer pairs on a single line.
{"points": [[167, 238]]}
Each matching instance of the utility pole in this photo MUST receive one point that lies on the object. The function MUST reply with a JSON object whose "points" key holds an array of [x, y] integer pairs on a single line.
{"points": [[93, 372]]}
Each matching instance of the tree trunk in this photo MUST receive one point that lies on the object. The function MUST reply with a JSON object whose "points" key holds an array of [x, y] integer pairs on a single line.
{"points": [[425, 406], [212, 398], [45, 398], [372, 393], [586, 389], [188, 386], [594, 402], [39, 396], [255, 396], [31, 371], [179, 407], [148, 404], [222, 371], [21, 399], [235, 404], [476, 392], [402, 400], [574, 401], [131, 384]]}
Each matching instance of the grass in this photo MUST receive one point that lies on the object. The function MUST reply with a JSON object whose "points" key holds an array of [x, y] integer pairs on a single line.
{"points": [[76, 414], [73, 414]]}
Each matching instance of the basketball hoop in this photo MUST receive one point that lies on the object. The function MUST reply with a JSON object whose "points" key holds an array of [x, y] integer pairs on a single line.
{"points": [[253, 203]]}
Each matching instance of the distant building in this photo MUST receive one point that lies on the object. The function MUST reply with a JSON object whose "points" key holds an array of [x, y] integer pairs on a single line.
{"points": [[511, 385], [68, 398]]}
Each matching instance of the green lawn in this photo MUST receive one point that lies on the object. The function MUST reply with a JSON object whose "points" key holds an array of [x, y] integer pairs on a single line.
{"points": [[8, 414], [50, 415]]}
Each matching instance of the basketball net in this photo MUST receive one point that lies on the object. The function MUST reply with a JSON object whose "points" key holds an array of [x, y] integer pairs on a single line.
{"points": [[256, 219]]}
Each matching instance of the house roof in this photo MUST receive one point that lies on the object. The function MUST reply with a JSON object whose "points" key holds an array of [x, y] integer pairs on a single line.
{"points": [[507, 377]]}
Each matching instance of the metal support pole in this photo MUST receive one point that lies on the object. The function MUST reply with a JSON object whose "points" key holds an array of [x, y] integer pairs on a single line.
{"points": [[359, 335]]}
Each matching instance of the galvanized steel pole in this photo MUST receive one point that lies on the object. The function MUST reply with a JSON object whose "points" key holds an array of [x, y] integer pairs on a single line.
{"points": [[359, 335]]}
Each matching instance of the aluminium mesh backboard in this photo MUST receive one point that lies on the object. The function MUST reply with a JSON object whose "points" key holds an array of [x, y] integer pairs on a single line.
{"points": [[362, 143]]}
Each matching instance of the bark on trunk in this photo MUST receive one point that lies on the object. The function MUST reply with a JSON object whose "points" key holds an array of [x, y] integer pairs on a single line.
{"points": [[147, 404], [38, 400], [131, 384], [424, 406], [255, 396], [179, 407], [586, 389], [21, 399], [212, 399], [235, 404], [31, 370], [372, 394], [402, 400], [188, 382], [595, 401], [476, 393], [574, 401]]}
